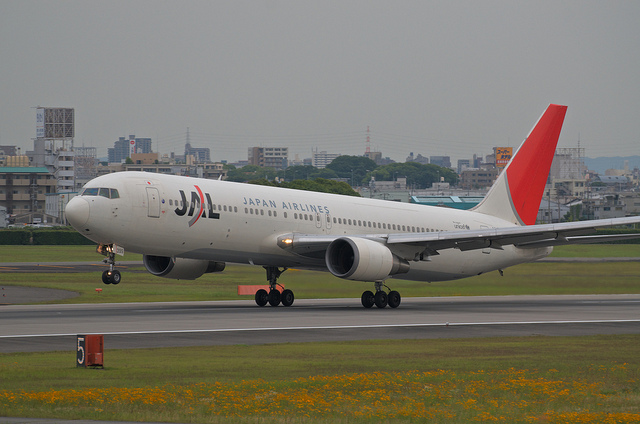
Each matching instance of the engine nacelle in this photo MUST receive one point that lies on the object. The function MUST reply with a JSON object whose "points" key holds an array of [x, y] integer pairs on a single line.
{"points": [[362, 259], [180, 268]]}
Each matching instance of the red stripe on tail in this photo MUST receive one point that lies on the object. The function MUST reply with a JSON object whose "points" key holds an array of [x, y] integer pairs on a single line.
{"points": [[528, 170]]}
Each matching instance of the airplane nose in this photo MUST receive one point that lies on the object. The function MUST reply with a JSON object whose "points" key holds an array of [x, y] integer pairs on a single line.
{"points": [[77, 212]]}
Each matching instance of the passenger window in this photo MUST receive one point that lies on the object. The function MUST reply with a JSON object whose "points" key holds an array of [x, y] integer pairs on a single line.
{"points": [[104, 192], [115, 194]]}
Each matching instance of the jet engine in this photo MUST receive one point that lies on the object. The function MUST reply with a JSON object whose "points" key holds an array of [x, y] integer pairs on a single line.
{"points": [[180, 268], [362, 259]]}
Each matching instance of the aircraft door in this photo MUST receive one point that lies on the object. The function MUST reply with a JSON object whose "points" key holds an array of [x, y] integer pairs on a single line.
{"points": [[318, 220], [327, 218], [153, 200]]}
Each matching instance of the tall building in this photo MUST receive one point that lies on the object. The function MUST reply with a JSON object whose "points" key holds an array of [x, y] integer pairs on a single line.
{"points": [[321, 159], [420, 159], [53, 145], [273, 157], [443, 161], [86, 165], [463, 164], [199, 154], [124, 147]]}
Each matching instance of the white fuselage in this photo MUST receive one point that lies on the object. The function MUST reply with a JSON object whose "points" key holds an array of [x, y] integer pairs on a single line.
{"points": [[194, 218]]}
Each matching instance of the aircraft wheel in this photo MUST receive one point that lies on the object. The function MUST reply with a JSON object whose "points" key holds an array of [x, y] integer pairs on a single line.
{"points": [[287, 298], [262, 297], [381, 299], [393, 299], [367, 299], [115, 277], [274, 297], [106, 278]]}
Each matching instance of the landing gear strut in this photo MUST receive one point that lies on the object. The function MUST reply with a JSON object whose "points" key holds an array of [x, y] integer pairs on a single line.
{"points": [[273, 296], [111, 275], [381, 299]]}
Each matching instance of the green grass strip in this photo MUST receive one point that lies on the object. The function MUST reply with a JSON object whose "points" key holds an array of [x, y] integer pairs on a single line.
{"points": [[527, 379]]}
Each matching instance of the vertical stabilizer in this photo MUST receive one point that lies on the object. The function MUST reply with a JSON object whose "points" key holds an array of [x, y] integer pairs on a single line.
{"points": [[516, 194]]}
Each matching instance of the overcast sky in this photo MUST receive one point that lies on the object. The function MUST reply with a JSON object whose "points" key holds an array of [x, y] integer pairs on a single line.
{"points": [[436, 78]]}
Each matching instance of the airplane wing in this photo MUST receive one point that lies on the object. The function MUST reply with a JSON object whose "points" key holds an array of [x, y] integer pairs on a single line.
{"points": [[530, 236]]}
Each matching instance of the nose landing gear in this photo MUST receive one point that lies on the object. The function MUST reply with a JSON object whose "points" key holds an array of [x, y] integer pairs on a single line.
{"points": [[111, 275]]}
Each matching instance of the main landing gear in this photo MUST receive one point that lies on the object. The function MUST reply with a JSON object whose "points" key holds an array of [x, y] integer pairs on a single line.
{"points": [[273, 297], [381, 298], [111, 275]]}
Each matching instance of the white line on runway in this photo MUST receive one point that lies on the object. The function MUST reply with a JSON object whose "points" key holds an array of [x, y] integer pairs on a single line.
{"points": [[334, 327]]}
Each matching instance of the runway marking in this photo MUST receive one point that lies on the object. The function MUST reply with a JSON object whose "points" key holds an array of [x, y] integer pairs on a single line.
{"points": [[329, 327]]}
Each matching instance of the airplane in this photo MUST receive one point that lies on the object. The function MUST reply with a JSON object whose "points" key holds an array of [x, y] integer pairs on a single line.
{"points": [[186, 227]]}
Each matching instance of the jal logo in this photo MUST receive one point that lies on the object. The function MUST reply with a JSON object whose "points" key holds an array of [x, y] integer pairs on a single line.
{"points": [[196, 206]]}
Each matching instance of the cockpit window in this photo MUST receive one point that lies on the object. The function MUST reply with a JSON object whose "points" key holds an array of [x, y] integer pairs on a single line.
{"points": [[109, 193]]}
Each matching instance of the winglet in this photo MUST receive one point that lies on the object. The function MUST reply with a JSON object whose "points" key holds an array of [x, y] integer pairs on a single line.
{"points": [[516, 194]]}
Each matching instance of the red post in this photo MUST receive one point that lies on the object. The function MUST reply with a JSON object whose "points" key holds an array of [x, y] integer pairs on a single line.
{"points": [[90, 350]]}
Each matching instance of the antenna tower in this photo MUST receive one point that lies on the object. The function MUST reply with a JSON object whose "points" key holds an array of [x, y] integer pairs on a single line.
{"points": [[367, 150]]}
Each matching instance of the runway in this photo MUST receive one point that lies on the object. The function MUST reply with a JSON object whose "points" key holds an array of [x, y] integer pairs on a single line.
{"points": [[26, 328]]}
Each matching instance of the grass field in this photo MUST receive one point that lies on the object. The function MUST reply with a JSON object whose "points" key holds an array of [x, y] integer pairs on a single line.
{"points": [[140, 286], [533, 379], [88, 253], [517, 380]]}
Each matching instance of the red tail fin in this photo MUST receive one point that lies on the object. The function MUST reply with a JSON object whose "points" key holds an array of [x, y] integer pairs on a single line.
{"points": [[516, 194]]}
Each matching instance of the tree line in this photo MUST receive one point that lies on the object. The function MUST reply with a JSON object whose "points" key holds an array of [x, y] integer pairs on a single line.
{"points": [[356, 170]]}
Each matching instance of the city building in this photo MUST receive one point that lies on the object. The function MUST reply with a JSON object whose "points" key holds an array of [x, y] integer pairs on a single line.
{"points": [[374, 156], [567, 176], [443, 161], [125, 147], [321, 159], [463, 164], [144, 158], [58, 157], [53, 145], [477, 178], [86, 163], [273, 157], [23, 190], [7, 151], [420, 159]]}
